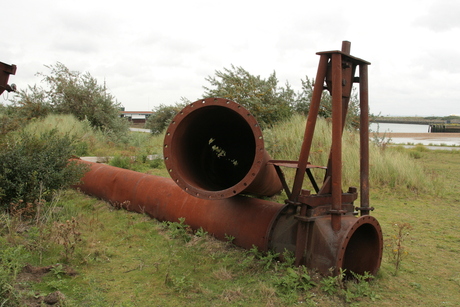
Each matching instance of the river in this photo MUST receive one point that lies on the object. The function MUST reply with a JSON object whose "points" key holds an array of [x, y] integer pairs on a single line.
{"points": [[420, 134]]}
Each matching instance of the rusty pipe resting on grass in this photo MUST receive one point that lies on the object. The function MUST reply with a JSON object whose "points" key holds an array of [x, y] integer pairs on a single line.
{"points": [[251, 221], [214, 149]]}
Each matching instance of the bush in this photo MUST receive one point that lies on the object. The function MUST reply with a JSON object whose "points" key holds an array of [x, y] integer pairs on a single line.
{"points": [[71, 92], [32, 167], [264, 98], [162, 116], [120, 161]]}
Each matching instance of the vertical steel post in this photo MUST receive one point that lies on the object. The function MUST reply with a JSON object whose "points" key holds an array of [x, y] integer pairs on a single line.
{"points": [[364, 137], [310, 127], [336, 176], [305, 153]]}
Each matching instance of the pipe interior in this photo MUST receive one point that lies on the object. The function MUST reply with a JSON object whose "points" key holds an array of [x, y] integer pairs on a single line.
{"points": [[214, 148], [363, 251]]}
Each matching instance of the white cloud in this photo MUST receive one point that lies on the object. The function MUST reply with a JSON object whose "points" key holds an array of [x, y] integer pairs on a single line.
{"points": [[156, 52]]}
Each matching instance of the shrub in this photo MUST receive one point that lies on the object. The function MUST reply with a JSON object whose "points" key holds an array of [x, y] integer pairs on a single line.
{"points": [[264, 98], [120, 161], [32, 167], [162, 116]]}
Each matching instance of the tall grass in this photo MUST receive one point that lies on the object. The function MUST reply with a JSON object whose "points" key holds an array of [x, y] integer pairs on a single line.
{"points": [[94, 142], [389, 168], [392, 168], [86, 138]]}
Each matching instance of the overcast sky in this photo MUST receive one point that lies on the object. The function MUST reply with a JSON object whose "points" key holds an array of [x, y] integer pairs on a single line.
{"points": [[155, 52]]}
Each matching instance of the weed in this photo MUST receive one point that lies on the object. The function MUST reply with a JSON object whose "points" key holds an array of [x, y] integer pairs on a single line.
{"points": [[120, 161], [11, 259], [332, 284], [381, 140], [57, 284], [396, 245], [288, 258], [267, 260], [201, 233], [67, 235], [156, 163], [415, 154], [179, 230], [229, 238], [182, 284], [291, 282], [58, 271], [359, 287]]}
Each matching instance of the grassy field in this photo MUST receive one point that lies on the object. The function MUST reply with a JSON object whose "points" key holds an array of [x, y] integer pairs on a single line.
{"points": [[430, 272], [92, 254]]}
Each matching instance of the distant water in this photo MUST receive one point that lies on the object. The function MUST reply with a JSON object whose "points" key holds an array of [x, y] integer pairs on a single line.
{"points": [[429, 139], [398, 128]]}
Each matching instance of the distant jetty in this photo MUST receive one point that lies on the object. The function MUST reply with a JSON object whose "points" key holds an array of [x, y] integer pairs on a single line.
{"points": [[447, 128], [450, 124]]}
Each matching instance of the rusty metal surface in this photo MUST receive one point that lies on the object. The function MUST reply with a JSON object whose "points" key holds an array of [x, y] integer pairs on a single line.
{"points": [[5, 72], [326, 219], [250, 220], [214, 149], [356, 247]]}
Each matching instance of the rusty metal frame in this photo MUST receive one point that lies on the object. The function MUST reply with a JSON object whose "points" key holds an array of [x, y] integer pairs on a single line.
{"points": [[336, 73], [322, 229]]}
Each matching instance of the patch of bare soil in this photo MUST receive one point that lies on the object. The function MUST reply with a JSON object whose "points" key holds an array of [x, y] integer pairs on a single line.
{"points": [[32, 274]]}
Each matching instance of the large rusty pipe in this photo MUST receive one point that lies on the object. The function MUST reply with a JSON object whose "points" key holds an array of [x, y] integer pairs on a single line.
{"points": [[214, 149], [249, 220], [356, 247], [252, 222]]}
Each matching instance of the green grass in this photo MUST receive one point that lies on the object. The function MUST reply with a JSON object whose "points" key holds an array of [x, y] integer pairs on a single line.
{"points": [[128, 259], [389, 167], [430, 272]]}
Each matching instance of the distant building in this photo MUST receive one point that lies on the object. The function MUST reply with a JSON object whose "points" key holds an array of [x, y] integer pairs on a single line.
{"points": [[137, 117]]}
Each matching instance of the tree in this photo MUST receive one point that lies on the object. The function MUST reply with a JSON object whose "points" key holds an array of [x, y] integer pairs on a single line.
{"points": [[80, 95], [162, 116], [302, 104], [70, 92], [267, 101]]}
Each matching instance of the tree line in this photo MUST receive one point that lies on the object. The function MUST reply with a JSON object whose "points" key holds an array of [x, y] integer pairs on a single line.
{"points": [[263, 97], [33, 166]]}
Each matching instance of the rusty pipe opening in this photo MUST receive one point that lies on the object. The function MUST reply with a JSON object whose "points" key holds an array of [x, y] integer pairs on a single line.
{"points": [[214, 149], [362, 247]]}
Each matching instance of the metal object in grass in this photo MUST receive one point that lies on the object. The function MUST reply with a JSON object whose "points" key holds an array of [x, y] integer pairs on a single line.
{"points": [[214, 152]]}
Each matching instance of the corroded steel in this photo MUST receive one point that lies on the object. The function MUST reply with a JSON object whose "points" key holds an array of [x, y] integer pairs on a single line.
{"points": [[5, 72], [214, 149], [327, 219], [357, 247], [249, 220]]}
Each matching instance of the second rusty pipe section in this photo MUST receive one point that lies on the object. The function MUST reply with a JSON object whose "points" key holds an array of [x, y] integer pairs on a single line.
{"points": [[249, 220], [214, 149]]}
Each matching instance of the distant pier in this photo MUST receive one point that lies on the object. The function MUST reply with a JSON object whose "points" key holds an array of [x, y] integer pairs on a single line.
{"points": [[435, 125]]}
